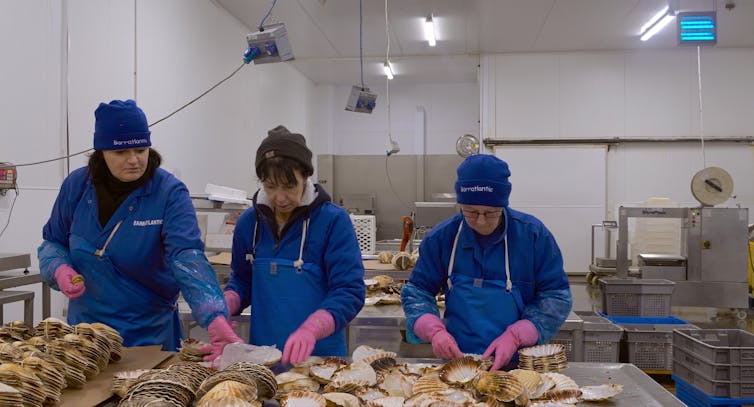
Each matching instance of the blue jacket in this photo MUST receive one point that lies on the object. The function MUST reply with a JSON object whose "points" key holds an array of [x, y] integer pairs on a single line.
{"points": [[155, 253], [332, 277], [536, 269]]}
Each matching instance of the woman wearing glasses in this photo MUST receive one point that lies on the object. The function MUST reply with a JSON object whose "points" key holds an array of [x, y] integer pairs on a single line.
{"points": [[500, 269]]}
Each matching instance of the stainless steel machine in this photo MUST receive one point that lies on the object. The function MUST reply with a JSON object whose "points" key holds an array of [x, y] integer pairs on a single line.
{"points": [[712, 268]]}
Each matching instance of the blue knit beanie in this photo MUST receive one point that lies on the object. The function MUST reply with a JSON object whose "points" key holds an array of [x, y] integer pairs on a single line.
{"points": [[120, 124], [483, 180]]}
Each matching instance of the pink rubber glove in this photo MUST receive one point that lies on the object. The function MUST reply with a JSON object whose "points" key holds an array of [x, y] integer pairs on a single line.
{"points": [[519, 333], [233, 300], [220, 334], [64, 275], [430, 328], [300, 343]]}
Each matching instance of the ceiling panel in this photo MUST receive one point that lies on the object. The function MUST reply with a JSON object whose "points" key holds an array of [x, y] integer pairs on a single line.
{"points": [[324, 34]]}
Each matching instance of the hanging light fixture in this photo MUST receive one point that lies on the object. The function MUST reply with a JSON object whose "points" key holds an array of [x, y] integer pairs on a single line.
{"points": [[388, 68], [429, 31]]}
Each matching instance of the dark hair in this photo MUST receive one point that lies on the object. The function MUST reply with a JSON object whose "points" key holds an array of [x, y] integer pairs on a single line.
{"points": [[99, 171], [281, 170]]}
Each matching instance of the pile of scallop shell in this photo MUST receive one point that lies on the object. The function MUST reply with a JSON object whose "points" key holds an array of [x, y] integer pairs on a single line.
{"points": [[38, 363], [190, 350], [382, 290], [400, 260], [375, 379], [543, 358], [187, 383]]}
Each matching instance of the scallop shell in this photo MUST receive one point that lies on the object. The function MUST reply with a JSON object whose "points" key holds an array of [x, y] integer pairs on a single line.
{"points": [[232, 388], [414, 258], [545, 385], [401, 261], [335, 399], [562, 382], [303, 399], [371, 284], [396, 383], [323, 373], [383, 281], [429, 384], [500, 385], [385, 257], [356, 371], [563, 396], [289, 381], [529, 378], [550, 349], [601, 392], [346, 386], [419, 369], [226, 401], [392, 401], [460, 371], [369, 354]]}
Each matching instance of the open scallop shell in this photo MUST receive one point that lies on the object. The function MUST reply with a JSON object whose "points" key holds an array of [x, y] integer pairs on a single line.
{"points": [[460, 371], [335, 399], [564, 396], [601, 392], [429, 384], [401, 261], [529, 378], [369, 354], [500, 385], [392, 401], [356, 371], [303, 399], [562, 382]]}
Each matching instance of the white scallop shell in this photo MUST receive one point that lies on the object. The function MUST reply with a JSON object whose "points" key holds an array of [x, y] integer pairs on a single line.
{"points": [[550, 349], [529, 378], [369, 354], [601, 392], [460, 370], [303, 399], [545, 385], [342, 399], [356, 371], [562, 382], [392, 401]]}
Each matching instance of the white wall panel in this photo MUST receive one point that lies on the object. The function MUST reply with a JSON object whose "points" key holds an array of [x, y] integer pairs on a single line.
{"points": [[526, 98], [591, 95], [659, 91], [727, 91]]}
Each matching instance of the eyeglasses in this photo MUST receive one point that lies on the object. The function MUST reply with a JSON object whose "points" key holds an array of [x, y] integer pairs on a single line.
{"points": [[475, 215]]}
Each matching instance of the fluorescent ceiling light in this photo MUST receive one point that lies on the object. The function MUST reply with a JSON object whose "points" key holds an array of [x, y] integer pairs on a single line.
{"points": [[657, 27], [655, 18], [388, 68], [429, 31]]}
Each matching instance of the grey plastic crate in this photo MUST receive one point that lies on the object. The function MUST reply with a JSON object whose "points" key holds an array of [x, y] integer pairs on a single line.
{"points": [[566, 338], [650, 346], [637, 297], [601, 339], [571, 338], [718, 346], [713, 371], [713, 388]]}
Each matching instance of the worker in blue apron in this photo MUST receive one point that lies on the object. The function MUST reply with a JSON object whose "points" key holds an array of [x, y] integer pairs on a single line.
{"points": [[123, 240], [500, 269], [296, 258]]}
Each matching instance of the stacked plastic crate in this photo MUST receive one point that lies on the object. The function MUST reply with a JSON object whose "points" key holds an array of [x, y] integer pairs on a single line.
{"points": [[642, 308], [714, 367]]}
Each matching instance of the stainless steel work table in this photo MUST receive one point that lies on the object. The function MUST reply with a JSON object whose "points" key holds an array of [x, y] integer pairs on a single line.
{"points": [[14, 272]]}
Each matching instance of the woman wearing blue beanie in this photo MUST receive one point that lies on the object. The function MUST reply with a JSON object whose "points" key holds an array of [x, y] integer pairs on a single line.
{"points": [[500, 269], [123, 240]]}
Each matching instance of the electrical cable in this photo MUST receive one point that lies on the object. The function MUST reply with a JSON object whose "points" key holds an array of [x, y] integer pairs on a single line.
{"points": [[701, 115], [154, 123], [7, 222], [261, 23], [361, 47], [389, 123]]}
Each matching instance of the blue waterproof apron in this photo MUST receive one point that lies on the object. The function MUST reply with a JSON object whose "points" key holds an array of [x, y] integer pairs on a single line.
{"points": [[141, 316], [477, 310], [284, 293]]}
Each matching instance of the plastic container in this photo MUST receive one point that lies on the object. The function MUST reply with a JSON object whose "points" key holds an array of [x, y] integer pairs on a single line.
{"points": [[713, 371], [694, 397], [570, 337], [617, 319], [601, 339], [650, 346], [718, 346], [636, 296], [714, 388], [365, 227]]}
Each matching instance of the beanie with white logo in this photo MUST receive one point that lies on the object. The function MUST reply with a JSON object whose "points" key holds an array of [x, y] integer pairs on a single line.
{"points": [[483, 180], [120, 124]]}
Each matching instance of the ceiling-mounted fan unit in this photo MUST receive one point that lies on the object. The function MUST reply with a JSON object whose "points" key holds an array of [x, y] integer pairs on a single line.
{"points": [[467, 145]]}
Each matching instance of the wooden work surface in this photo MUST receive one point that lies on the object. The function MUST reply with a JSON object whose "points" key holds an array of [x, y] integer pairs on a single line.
{"points": [[99, 388]]}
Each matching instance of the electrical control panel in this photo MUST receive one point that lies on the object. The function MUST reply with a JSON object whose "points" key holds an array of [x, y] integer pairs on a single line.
{"points": [[268, 45], [8, 176], [361, 100]]}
